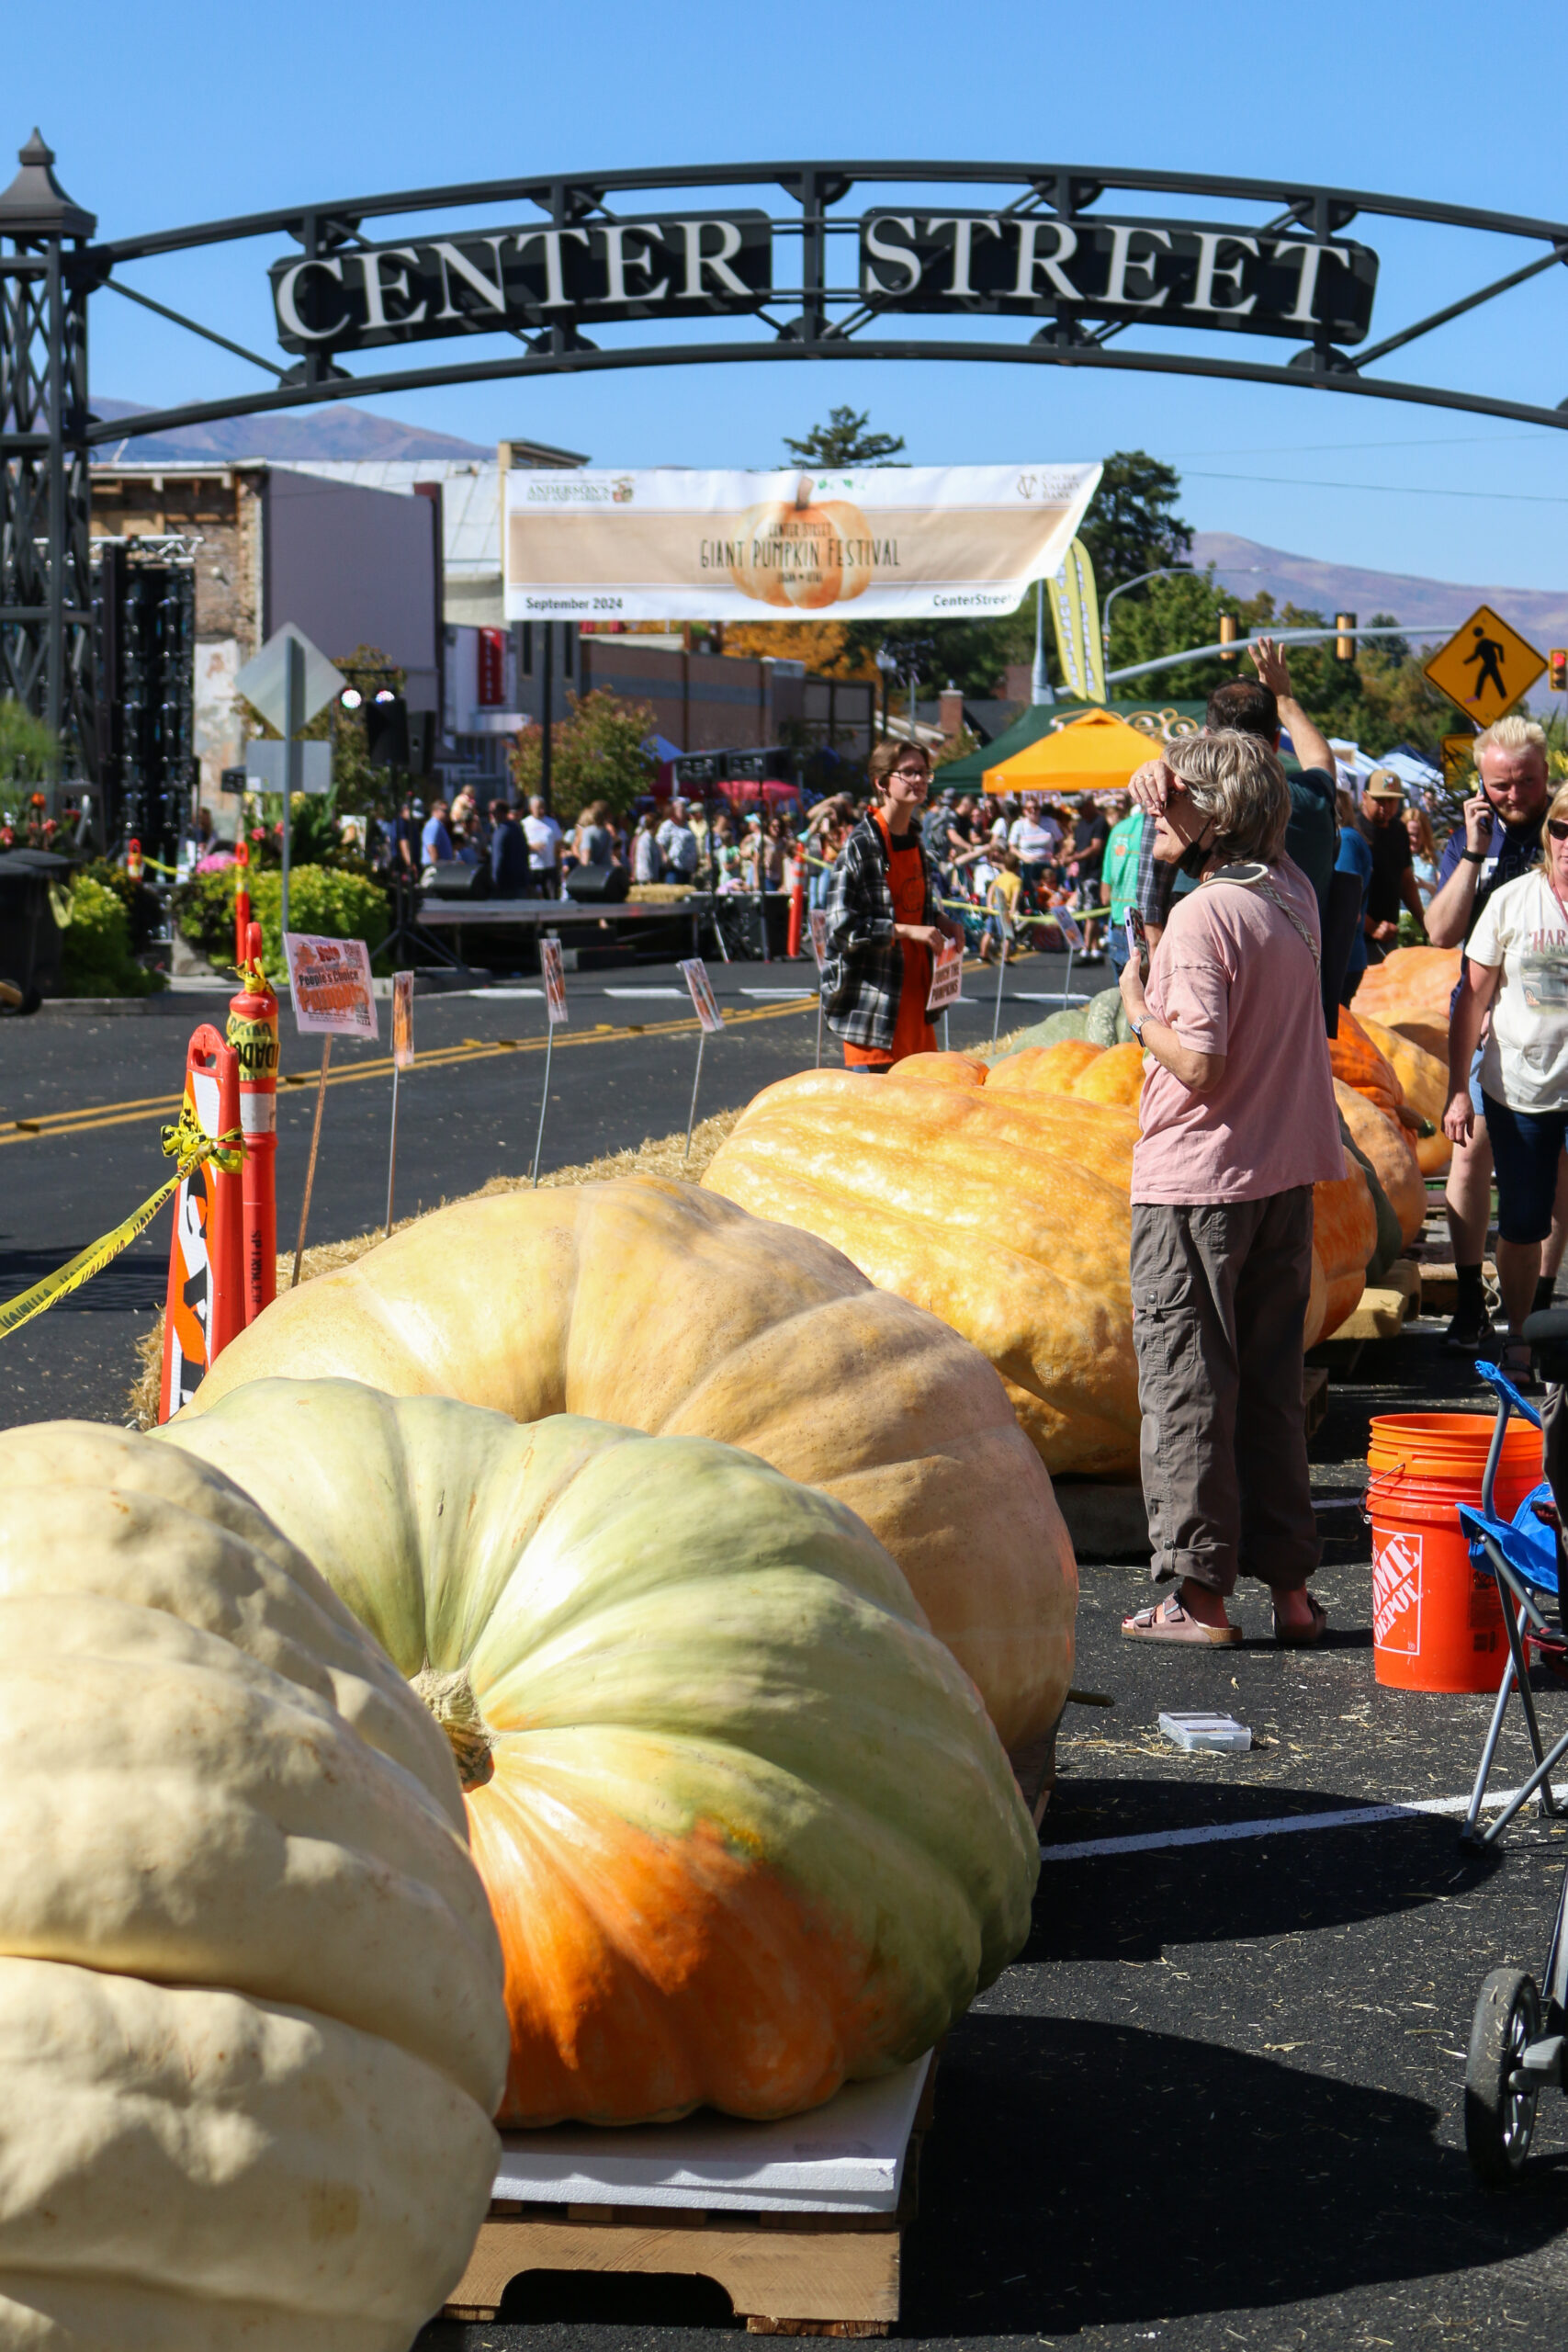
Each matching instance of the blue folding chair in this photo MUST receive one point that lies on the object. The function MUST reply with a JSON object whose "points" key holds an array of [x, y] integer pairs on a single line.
{"points": [[1521, 1554]]}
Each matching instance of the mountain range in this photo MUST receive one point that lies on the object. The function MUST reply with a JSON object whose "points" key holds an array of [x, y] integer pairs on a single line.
{"points": [[1539, 615], [333, 432], [1242, 566]]}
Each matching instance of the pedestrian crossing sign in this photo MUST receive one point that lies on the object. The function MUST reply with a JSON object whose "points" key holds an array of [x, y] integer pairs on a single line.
{"points": [[1485, 666]]}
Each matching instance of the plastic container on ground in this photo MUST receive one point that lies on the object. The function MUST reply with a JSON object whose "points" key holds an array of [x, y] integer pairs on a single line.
{"points": [[1220, 1734]]}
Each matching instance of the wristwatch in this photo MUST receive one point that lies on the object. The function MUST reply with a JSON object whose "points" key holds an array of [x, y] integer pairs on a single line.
{"points": [[1473, 856], [1138, 1028]]}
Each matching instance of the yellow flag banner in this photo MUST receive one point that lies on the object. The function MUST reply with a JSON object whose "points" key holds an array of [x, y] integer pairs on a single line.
{"points": [[1075, 610], [187, 1145]]}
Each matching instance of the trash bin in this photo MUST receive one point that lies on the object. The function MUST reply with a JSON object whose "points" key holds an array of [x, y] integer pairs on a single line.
{"points": [[29, 936]]}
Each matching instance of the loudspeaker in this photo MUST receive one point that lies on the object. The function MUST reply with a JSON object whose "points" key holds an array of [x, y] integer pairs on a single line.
{"points": [[420, 725], [458, 880], [607, 883]]}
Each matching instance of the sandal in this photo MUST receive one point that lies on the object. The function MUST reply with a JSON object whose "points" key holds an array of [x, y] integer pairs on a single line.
{"points": [[1307, 1638], [1167, 1621]]}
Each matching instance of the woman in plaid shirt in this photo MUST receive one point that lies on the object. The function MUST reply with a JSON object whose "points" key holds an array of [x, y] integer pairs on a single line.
{"points": [[884, 921]]}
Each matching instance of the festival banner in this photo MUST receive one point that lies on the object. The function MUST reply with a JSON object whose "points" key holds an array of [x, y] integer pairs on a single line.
{"points": [[883, 542]]}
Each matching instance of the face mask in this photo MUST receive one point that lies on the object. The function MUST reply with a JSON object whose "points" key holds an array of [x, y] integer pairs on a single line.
{"points": [[1195, 856]]}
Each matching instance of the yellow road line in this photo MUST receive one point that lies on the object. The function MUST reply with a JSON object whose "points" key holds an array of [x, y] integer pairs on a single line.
{"points": [[92, 1118]]}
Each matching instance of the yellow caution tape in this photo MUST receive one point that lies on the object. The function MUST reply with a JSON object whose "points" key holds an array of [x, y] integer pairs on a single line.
{"points": [[185, 1144]]}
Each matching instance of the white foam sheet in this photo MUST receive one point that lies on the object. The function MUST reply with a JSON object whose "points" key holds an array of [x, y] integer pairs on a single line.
{"points": [[845, 2157]]}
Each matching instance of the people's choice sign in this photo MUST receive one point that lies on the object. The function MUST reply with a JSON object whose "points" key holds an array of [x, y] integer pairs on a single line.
{"points": [[954, 541], [330, 982]]}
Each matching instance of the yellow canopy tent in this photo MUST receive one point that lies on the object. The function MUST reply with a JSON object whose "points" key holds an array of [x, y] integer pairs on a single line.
{"points": [[1094, 754]]}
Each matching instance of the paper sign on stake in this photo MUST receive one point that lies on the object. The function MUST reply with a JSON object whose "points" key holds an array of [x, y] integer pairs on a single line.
{"points": [[330, 982], [402, 1020], [819, 924], [1066, 923], [695, 973], [552, 973], [947, 977]]}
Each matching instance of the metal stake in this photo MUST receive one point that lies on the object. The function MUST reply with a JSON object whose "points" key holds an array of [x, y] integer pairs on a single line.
{"points": [[1001, 970], [311, 1167], [946, 1044], [543, 1101], [692, 1118], [293, 766], [393, 1155], [819, 1024]]}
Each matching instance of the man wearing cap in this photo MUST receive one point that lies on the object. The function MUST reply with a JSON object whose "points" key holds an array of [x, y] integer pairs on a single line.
{"points": [[1394, 880], [1500, 841]]}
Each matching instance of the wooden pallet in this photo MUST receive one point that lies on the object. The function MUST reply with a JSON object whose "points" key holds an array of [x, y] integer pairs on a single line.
{"points": [[785, 2274]]}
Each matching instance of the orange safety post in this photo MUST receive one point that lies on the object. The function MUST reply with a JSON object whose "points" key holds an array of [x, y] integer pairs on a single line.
{"points": [[796, 908], [205, 1307], [242, 902], [252, 1033], [133, 860]]}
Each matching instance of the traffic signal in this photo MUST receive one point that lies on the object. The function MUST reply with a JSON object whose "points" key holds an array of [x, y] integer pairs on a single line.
{"points": [[1557, 670], [421, 741], [1227, 634], [1345, 643], [387, 731]]}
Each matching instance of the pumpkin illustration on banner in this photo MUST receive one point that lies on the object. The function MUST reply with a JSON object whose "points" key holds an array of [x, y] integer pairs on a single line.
{"points": [[746, 1831], [804, 556]]}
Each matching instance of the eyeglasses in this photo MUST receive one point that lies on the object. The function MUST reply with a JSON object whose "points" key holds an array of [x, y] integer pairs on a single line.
{"points": [[1558, 828]]}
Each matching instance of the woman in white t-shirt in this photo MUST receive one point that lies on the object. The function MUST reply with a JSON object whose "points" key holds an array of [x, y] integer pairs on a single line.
{"points": [[1516, 967]]}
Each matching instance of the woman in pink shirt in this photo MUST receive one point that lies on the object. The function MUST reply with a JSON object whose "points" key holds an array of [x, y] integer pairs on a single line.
{"points": [[1237, 1122]]}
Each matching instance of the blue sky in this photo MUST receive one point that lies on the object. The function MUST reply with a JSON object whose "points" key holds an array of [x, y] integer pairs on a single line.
{"points": [[176, 115]]}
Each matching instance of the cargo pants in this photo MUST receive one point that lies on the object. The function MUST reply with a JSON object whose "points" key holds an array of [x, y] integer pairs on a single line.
{"points": [[1220, 1294]]}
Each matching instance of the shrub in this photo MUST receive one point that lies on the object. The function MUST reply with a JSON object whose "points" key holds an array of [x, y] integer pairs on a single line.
{"points": [[323, 900], [95, 955]]}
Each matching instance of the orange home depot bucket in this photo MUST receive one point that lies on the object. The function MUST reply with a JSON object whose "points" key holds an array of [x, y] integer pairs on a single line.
{"points": [[1436, 1623]]}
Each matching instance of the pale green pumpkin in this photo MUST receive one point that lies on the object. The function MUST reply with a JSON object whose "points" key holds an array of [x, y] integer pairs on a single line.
{"points": [[745, 1825]]}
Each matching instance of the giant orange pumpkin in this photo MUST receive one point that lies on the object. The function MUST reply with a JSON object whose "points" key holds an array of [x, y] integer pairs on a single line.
{"points": [[1005, 1214], [1354, 1058], [1409, 990], [1391, 1154], [662, 1309], [1424, 1080], [802, 556], [1006, 1209]]}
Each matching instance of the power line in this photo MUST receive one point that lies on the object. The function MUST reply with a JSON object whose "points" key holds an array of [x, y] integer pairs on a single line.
{"points": [[1392, 490]]}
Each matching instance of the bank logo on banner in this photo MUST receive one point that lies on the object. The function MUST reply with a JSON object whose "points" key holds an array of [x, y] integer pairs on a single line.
{"points": [[1396, 1595]]}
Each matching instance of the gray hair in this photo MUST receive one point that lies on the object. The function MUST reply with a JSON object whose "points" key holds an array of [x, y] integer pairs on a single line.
{"points": [[1236, 780]]}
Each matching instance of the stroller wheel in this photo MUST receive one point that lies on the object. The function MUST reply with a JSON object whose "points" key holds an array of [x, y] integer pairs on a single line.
{"points": [[1499, 2120]]}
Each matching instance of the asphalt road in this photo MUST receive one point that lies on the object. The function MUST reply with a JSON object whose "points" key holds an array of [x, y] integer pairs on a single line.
{"points": [[1217, 2101], [101, 1086]]}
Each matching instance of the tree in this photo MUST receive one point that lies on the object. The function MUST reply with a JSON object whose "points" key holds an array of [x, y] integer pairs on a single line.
{"points": [[1132, 524], [28, 750], [844, 442], [597, 753], [825, 647]]}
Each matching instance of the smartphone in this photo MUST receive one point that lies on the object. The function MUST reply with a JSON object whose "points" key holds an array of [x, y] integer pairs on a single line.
{"points": [[1137, 941]]}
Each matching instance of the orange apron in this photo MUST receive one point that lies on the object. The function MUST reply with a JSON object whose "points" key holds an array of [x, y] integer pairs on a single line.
{"points": [[912, 1033]]}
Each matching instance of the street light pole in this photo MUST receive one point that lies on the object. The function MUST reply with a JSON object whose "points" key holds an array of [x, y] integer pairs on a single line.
{"points": [[1039, 683]]}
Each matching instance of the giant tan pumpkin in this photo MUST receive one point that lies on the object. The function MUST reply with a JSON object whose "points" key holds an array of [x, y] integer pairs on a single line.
{"points": [[1391, 1154], [252, 2029], [1409, 990], [660, 1307], [746, 1831], [801, 555], [1007, 1215]]}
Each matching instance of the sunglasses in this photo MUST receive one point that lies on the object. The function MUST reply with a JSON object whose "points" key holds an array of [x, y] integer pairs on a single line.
{"points": [[1558, 828]]}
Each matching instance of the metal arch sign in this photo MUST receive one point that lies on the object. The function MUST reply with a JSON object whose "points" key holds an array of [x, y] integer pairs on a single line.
{"points": [[1170, 273]]}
